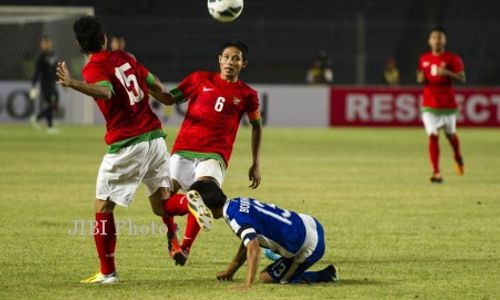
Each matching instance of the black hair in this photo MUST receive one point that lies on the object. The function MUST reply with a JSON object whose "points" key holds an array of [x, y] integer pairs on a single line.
{"points": [[438, 29], [210, 192], [237, 44], [89, 34]]}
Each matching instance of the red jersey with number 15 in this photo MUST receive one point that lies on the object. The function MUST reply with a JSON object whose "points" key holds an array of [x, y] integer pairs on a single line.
{"points": [[214, 113], [438, 91], [127, 113]]}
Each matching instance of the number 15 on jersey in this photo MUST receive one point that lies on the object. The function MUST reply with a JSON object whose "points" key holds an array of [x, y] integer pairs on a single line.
{"points": [[129, 82]]}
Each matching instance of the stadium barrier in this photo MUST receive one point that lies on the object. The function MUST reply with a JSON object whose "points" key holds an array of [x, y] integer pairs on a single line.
{"points": [[285, 105], [386, 106], [16, 106]]}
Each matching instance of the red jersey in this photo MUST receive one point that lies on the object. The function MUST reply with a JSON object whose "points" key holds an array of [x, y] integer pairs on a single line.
{"points": [[127, 113], [438, 91], [214, 113]]}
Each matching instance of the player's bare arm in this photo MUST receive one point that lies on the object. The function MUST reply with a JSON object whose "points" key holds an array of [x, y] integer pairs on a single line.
{"points": [[254, 171], [157, 91], [253, 255], [157, 86], [460, 76], [164, 98], [92, 90], [234, 265], [420, 77]]}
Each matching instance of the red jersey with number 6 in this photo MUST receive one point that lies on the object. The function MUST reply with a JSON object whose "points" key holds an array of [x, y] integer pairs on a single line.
{"points": [[127, 113], [214, 113], [438, 91]]}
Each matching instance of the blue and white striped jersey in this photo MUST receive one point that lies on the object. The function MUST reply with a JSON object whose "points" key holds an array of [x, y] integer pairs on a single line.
{"points": [[275, 228]]}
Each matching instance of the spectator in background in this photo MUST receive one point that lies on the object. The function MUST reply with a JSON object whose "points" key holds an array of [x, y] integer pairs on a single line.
{"points": [[45, 72], [320, 72], [391, 72], [118, 43]]}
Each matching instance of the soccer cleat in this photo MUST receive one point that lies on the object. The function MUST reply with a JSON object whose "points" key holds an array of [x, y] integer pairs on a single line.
{"points": [[459, 166], [173, 240], [436, 179], [52, 130], [101, 278], [180, 256], [331, 274], [34, 123], [271, 255], [199, 210]]}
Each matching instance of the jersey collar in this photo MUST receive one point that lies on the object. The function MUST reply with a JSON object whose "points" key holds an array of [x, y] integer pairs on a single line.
{"points": [[98, 55], [219, 78]]}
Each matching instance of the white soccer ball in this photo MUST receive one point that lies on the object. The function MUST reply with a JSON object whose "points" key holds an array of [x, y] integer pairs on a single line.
{"points": [[225, 10]]}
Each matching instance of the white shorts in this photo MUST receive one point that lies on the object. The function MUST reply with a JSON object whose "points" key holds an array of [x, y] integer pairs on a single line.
{"points": [[185, 171], [434, 122], [120, 174]]}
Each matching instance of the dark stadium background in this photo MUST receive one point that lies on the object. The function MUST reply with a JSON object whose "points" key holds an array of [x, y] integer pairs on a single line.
{"points": [[175, 37]]}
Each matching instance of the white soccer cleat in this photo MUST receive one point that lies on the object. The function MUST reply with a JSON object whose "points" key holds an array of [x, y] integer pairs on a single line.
{"points": [[199, 210], [101, 278], [52, 130]]}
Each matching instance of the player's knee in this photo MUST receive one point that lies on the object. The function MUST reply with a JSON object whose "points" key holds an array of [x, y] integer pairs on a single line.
{"points": [[157, 207], [104, 206], [159, 211], [157, 200], [264, 277], [175, 187], [160, 194]]}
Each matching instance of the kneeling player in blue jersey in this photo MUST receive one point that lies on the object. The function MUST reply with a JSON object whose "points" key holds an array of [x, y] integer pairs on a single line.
{"points": [[298, 238]]}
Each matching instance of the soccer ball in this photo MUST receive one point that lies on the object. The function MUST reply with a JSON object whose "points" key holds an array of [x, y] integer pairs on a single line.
{"points": [[225, 10]]}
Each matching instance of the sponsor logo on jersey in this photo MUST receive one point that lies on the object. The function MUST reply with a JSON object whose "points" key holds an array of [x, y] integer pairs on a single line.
{"points": [[206, 89], [236, 100], [425, 64]]}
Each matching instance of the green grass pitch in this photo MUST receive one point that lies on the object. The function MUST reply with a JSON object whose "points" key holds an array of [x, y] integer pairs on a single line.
{"points": [[391, 233]]}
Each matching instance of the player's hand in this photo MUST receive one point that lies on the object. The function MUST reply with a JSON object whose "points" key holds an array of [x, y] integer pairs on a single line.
{"points": [[225, 276], [33, 93], [420, 77], [254, 176], [63, 76]]}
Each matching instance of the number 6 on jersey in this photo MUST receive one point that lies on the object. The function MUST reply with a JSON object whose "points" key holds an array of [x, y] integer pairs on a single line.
{"points": [[219, 104]]}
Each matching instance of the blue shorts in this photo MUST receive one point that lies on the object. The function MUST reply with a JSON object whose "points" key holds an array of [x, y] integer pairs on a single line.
{"points": [[280, 268]]}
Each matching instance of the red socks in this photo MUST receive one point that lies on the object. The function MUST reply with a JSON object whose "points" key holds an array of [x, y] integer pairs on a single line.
{"points": [[455, 144], [192, 230], [105, 241], [105, 231], [177, 205], [169, 222], [434, 152]]}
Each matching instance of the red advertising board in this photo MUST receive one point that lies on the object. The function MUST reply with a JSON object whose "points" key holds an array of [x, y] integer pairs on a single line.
{"points": [[387, 106]]}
